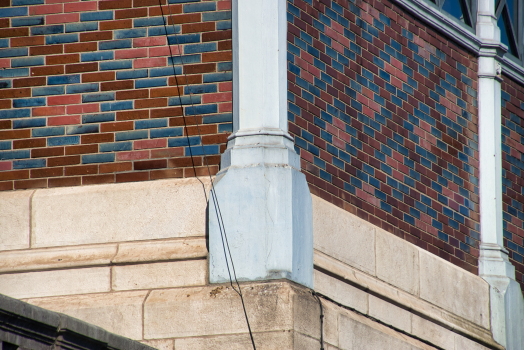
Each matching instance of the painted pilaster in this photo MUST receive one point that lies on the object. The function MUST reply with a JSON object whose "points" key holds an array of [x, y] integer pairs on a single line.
{"points": [[263, 197], [506, 306]]}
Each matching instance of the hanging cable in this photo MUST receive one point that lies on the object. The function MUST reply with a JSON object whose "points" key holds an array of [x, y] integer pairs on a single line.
{"points": [[321, 320], [220, 220]]}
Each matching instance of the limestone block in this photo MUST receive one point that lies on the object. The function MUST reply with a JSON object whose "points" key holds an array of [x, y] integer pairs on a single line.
{"points": [[217, 309], [119, 313], [433, 333], [14, 219], [465, 343], [330, 322], [263, 341], [354, 335], [161, 344], [454, 289], [306, 311], [397, 262], [160, 275], [118, 212], [56, 282], [41, 259], [303, 342], [177, 249], [389, 314], [341, 292], [343, 236]]}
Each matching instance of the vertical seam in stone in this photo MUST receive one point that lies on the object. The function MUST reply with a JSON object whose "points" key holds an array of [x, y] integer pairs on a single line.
{"points": [[144, 317], [111, 268], [31, 218]]}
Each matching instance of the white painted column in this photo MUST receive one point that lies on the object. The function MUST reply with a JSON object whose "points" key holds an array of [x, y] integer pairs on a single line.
{"points": [[506, 303], [263, 197]]}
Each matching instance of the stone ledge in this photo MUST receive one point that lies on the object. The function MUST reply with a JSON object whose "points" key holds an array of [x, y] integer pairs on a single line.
{"points": [[361, 281], [28, 260]]}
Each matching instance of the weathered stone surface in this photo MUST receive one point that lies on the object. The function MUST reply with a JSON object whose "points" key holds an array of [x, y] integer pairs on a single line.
{"points": [[397, 262], [118, 212], [331, 312], [354, 335], [161, 344], [160, 275], [62, 257], [433, 333], [464, 343], [263, 341], [176, 249], [341, 292], [439, 280], [214, 310], [303, 342], [389, 314], [343, 236], [14, 219], [56, 282], [120, 313]]}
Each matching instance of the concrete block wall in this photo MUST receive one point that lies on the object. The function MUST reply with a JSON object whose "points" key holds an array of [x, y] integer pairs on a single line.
{"points": [[513, 173], [384, 114], [88, 94]]}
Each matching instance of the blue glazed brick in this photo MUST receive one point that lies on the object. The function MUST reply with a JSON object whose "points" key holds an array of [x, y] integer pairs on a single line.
{"points": [[5, 145], [167, 132], [199, 89], [98, 118], [223, 25], [218, 118], [182, 1], [5, 84], [52, 131], [115, 65], [115, 44], [98, 158], [29, 102], [82, 129], [63, 141], [13, 73], [96, 16], [215, 77], [184, 39], [201, 150], [26, 2], [186, 59], [169, 71], [48, 90], [27, 22], [15, 113], [61, 39], [201, 109], [15, 154], [116, 146], [131, 135], [130, 33], [96, 56], [19, 51], [148, 22], [224, 66], [150, 123], [199, 48], [4, 42], [80, 88], [146, 83], [132, 74], [156, 31], [63, 79], [217, 16], [229, 128], [116, 106], [29, 163], [103, 96], [200, 7], [47, 30], [184, 100], [183, 142], [81, 27], [13, 12]]}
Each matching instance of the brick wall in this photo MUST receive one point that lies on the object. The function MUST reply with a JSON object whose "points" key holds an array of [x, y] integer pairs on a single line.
{"points": [[383, 111], [513, 173], [88, 95]]}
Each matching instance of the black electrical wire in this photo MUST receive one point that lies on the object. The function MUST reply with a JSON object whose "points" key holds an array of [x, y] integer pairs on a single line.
{"points": [[321, 320], [221, 226]]}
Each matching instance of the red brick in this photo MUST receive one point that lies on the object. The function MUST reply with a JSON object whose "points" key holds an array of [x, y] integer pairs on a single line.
{"points": [[166, 174], [23, 82], [80, 47], [98, 179], [150, 164], [47, 70], [81, 170], [130, 53], [46, 9], [151, 41], [131, 177], [132, 115], [81, 149], [117, 85], [217, 56], [47, 152], [64, 100], [83, 108], [148, 144], [14, 175], [27, 184], [65, 18], [97, 138], [96, 36], [198, 27], [150, 62], [81, 67], [115, 167], [119, 24], [15, 134], [15, 93], [11, 32], [116, 126], [140, 12], [133, 155], [63, 59], [28, 41], [115, 4], [65, 182], [151, 103], [46, 50], [216, 36], [97, 77], [61, 161], [80, 6], [47, 172], [29, 143]]}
